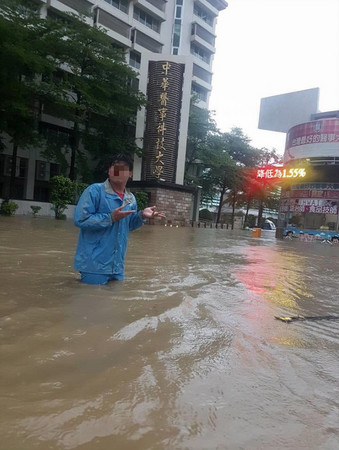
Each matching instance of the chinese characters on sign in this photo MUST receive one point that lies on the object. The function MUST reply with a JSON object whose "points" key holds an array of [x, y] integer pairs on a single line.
{"points": [[315, 139], [309, 205], [323, 133], [327, 186], [161, 125], [310, 209], [280, 173], [163, 116]]}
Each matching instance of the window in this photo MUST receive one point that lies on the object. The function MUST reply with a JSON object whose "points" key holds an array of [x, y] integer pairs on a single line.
{"points": [[203, 34], [146, 19], [120, 4], [177, 27], [203, 15], [134, 60], [55, 135], [199, 91], [2, 165], [118, 47], [176, 33], [54, 170], [201, 73], [23, 167], [134, 84], [200, 53]]}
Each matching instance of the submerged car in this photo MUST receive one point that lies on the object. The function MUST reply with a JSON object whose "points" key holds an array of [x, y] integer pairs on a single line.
{"points": [[269, 225]]}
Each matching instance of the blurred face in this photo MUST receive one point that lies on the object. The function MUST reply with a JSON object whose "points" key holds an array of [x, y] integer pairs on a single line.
{"points": [[119, 172]]}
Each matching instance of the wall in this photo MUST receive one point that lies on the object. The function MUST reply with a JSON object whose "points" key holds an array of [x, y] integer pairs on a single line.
{"points": [[176, 204], [46, 208]]}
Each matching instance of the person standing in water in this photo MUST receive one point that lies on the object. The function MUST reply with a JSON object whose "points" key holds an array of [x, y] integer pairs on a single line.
{"points": [[106, 213]]}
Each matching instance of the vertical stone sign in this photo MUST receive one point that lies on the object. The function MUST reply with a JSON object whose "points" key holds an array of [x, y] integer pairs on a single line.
{"points": [[164, 94]]}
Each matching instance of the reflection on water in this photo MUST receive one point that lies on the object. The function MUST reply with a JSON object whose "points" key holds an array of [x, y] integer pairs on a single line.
{"points": [[183, 354]]}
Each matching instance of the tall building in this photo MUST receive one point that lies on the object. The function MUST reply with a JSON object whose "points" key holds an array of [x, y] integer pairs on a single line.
{"points": [[172, 40], [309, 201]]}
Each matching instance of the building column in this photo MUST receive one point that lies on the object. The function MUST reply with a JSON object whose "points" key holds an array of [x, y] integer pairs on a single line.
{"points": [[30, 180]]}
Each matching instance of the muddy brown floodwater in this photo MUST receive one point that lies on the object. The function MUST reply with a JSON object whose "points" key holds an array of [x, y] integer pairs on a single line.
{"points": [[185, 354]]}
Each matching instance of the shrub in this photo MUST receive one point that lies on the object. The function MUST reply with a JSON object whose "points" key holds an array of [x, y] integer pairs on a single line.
{"points": [[251, 221], [79, 189], [205, 214], [8, 208], [62, 194], [35, 210], [142, 199]]}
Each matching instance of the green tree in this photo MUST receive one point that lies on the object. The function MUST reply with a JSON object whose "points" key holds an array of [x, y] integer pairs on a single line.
{"points": [[266, 193], [239, 148], [23, 39], [201, 126], [233, 196], [98, 95], [247, 191], [219, 174], [229, 154], [74, 71], [251, 192]]}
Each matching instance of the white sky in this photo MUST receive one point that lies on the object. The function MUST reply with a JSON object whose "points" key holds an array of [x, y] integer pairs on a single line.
{"points": [[271, 47]]}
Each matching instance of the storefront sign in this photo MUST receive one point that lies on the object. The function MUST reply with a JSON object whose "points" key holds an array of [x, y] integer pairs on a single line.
{"points": [[314, 193], [319, 138], [309, 205]]}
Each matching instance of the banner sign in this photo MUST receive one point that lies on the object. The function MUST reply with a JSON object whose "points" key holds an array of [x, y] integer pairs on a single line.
{"points": [[309, 205], [312, 193], [319, 138]]}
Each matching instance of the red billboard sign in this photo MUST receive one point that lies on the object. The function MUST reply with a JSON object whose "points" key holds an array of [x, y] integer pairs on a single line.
{"points": [[313, 139]]}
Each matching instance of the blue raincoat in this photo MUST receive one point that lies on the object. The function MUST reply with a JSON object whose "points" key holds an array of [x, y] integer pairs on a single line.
{"points": [[102, 243]]}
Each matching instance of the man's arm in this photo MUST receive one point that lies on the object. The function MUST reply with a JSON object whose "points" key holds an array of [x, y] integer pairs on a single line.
{"points": [[139, 218], [86, 215], [136, 220]]}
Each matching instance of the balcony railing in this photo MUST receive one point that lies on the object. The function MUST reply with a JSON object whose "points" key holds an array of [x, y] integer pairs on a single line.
{"points": [[160, 4], [114, 24], [78, 5], [202, 74], [218, 4], [146, 41]]}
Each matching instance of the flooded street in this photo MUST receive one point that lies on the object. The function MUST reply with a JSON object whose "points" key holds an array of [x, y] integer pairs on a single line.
{"points": [[185, 354]]}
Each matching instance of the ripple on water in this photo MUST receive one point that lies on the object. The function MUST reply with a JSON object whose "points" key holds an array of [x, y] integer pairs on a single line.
{"points": [[184, 354]]}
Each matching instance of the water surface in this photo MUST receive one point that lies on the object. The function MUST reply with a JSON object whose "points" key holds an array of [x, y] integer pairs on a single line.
{"points": [[185, 354]]}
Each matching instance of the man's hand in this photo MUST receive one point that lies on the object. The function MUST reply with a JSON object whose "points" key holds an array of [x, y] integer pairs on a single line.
{"points": [[117, 214], [150, 213]]}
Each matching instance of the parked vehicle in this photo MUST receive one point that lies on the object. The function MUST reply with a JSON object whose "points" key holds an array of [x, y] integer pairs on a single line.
{"points": [[269, 225]]}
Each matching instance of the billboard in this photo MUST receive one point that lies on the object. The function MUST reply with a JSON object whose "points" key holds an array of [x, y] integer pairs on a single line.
{"points": [[307, 205], [281, 112], [319, 138]]}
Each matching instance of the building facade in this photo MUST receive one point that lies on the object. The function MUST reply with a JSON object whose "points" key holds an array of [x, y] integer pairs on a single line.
{"points": [[177, 34], [309, 207]]}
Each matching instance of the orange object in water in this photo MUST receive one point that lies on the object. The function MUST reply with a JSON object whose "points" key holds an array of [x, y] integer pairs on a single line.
{"points": [[256, 232]]}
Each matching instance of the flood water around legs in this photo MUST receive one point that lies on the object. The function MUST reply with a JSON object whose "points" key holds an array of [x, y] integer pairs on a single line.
{"points": [[184, 354]]}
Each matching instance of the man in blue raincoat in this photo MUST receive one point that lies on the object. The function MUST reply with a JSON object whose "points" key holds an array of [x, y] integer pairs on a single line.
{"points": [[105, 214]]}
